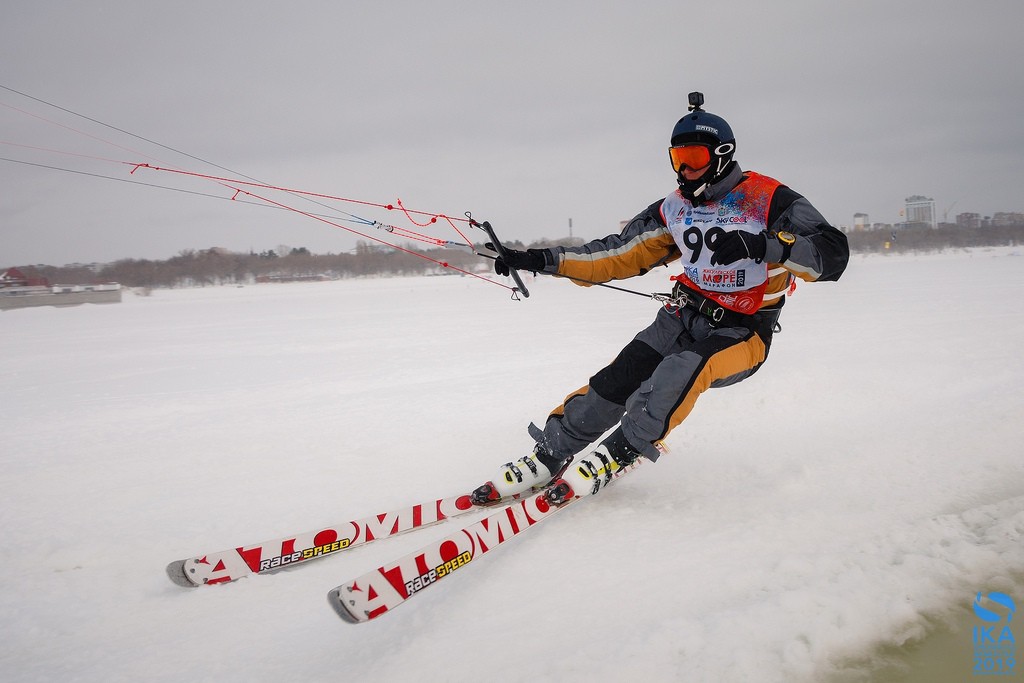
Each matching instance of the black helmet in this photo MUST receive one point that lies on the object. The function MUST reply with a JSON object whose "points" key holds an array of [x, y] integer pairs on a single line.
{"points": [[702, 128]]}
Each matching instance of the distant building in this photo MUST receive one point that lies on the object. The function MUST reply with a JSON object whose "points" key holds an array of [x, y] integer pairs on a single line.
{"points": [[1000, 218], [968, 220], [920, 210], [264, 279], [19, 291], [860, 221], [94, 267], [12, 277]]}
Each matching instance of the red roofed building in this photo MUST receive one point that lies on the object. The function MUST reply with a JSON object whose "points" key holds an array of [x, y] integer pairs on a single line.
{"points": [[12, 277], [18, 290]]}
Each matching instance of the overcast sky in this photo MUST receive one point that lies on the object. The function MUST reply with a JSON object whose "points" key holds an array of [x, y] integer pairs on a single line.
{"points": [[526, 113]]}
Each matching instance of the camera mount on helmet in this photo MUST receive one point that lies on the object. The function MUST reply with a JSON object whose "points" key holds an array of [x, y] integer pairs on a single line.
{"points": [[700, 127]]}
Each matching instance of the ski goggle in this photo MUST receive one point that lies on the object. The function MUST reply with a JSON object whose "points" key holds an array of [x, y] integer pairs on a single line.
{"points": [[692, 156]]}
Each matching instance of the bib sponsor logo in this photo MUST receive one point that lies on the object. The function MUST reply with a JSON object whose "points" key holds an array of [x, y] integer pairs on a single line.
{"points": [[723, 278], [716, 279]]}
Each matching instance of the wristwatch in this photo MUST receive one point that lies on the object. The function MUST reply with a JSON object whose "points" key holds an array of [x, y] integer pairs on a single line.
{"points": [[788, 239]]}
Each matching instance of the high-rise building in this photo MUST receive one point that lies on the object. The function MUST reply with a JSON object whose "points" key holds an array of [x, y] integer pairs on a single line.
{"points": [[920, 210]]}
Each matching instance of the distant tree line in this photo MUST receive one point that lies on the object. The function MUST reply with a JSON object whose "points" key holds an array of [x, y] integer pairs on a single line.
{"points": [[924, 238], [210, 267]]}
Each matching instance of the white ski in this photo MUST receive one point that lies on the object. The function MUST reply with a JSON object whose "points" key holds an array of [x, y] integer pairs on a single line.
{"points": [[269, 556], [388, 586]]}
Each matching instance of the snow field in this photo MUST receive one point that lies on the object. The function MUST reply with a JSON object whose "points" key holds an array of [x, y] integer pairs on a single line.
{"points": [[857, 490]]}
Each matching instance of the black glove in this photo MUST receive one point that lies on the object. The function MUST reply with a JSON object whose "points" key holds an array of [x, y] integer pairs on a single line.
{"points": [[736, 245], [531, 259]]}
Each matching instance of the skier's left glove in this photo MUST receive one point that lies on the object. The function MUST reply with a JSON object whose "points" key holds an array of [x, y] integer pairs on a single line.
{"points": [[531, 259], [736, 245]]}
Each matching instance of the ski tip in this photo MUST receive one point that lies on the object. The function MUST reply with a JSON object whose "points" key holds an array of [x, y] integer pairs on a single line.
{"points": [[338, 605], [176, 573]]}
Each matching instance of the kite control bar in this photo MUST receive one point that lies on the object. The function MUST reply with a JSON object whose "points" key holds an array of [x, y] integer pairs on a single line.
{"points": [[502, 251]]}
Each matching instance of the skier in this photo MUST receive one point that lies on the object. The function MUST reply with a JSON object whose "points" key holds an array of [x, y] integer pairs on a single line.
{"points": [[742, 237]]}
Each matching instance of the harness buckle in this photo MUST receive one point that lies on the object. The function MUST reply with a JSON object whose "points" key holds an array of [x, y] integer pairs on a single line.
{"points": [[713, 311], [682, 298], [673, 300]]}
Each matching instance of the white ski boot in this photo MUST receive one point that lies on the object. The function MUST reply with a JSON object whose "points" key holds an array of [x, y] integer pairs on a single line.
{"points": [[587, 475], [590, 474], [515, 478]]}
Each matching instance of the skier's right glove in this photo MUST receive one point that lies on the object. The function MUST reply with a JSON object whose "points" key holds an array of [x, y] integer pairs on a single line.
{"points": [[531, 259]]}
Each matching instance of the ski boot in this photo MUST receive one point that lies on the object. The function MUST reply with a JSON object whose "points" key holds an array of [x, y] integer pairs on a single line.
{"points": [[588, 475], [530, 472]]}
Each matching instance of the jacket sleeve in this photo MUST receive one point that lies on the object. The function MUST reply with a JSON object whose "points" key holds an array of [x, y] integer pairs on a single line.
{"points": [[820, 252], [644, 243]]}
